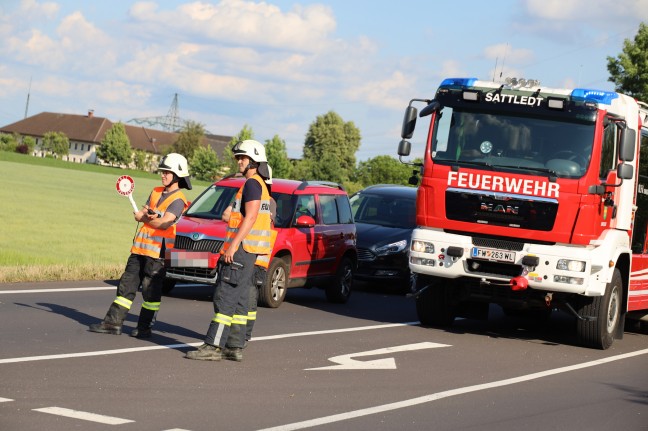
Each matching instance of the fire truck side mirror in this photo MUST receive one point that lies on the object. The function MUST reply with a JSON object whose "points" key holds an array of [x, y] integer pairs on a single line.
{"points": [[625, 171], [409, 123], [404, 148], [627, 146]]}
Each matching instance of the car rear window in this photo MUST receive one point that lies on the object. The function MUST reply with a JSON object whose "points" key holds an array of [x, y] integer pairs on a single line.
{"points": [[335, 209]]}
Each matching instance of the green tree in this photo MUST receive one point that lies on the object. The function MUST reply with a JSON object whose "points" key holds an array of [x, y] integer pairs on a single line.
{"points": [[56, 143], [629, 70], [382, 170], [278, 157], [27, 145], [8, 142], [205, 164], [230, 163], [141, 159], [189, 139], [330, 138], [115, 147]]}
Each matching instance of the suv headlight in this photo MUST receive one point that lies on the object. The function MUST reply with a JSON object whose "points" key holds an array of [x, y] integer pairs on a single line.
{"points": [[571, 265], [394, 247], [422, 246]]}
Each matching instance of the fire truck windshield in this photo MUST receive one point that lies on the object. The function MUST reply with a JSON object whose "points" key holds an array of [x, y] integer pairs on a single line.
{"points": [[505, 140]]}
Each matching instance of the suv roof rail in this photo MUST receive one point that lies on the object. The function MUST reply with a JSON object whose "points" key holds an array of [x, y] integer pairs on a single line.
{"points": [[305, 184]]}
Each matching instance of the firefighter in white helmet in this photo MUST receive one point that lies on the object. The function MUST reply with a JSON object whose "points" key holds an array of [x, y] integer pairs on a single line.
{"points": [[145, 265], [248, 239]]}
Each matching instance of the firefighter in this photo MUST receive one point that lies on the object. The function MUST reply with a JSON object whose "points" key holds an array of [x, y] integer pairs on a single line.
{"points": [[249, 235], [260, 272], [145, 265]]}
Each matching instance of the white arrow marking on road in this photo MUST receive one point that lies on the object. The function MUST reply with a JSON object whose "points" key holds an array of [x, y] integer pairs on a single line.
{"points": [[346, 362]]}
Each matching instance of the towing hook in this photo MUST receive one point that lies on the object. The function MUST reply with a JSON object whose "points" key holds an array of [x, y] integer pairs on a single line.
{"points": [[548, 298], [519, 283]]}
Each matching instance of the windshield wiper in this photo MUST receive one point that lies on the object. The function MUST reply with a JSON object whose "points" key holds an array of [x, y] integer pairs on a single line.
{"points": [[550, 172]]}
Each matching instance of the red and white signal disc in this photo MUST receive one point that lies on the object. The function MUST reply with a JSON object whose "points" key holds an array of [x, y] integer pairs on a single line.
{"points": [[125, 185]]}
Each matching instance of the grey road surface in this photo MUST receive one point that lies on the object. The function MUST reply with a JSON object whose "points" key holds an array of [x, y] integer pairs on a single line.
{"points": [[364, 365]]}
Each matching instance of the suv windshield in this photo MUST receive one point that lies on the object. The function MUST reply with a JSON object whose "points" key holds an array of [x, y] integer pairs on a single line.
{"points": [[502, 140], [212, 202], [381, 210]]}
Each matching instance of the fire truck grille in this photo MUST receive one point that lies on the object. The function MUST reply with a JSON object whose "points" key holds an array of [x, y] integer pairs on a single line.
{"points": [[500, 209], [186, 243], [497, 243]]}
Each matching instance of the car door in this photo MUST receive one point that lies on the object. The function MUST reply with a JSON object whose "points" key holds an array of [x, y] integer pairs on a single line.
{"points": [[332, 231]]}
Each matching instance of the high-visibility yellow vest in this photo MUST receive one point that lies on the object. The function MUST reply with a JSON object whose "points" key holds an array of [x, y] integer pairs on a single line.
{"points": [[148, 241], [259, 239]]}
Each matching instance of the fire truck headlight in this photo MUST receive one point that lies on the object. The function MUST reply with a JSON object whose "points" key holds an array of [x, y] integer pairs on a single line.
{"points": [[422, 246], [571, 265]]}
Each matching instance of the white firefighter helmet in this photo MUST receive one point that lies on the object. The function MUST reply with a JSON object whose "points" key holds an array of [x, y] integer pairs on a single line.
{"points": [[251, 148], [256, 152], [177, 164]]}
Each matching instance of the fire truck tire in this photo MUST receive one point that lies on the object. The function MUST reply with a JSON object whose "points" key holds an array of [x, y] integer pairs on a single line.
{"points": [[339, 290], [435, 306], [273, 291], [168, 285], [599, 333]]}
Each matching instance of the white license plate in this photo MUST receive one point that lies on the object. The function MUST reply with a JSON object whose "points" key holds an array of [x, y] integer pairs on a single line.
{"points": [[498, 255]]}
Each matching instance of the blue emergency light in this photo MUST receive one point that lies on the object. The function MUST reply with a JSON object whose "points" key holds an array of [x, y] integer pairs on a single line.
{"points": [[592, 95], [458, 82]]}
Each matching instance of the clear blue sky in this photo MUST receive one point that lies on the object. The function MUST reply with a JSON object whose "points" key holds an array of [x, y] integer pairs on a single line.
{"points": [[277, 65]]}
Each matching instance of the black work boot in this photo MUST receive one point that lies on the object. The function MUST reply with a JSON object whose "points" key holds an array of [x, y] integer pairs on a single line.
{"points": [[106, 328], [144, 324], [141, 332], [112, 323], [206, 352], [233, 354]]}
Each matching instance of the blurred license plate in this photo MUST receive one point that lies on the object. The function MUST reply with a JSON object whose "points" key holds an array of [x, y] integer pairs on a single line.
{"points": [[499, 255], [195, 259]]}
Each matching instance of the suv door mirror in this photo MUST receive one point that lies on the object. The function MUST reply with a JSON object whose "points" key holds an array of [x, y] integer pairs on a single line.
{"points": [[305, 221]]}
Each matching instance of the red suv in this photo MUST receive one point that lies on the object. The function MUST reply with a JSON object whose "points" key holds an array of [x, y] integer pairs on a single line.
{"points": [[316, 239]]}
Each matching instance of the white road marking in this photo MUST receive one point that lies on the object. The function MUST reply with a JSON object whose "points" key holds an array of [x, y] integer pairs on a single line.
{"points": [[449, 393], [65, 289], [181, 345], [346, 362], [5, 400], [86, 416], [73, 289]]}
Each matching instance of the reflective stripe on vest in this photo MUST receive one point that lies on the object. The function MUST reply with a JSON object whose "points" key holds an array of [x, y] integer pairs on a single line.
{"points": [[263, 260], [259, 239], [124, 302], [148, 241]]}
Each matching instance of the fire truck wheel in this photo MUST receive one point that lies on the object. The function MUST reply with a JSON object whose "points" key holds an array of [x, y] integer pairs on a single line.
{"points": [[599, 332], [339, 290], [273, 291], [435, 306], [168, 285]]}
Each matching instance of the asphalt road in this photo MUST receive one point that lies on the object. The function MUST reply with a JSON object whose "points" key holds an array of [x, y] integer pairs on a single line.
{"points": [[365, 365]]}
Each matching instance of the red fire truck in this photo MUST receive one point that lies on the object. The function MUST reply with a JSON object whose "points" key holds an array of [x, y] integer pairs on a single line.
{"points": [[534, 199]]}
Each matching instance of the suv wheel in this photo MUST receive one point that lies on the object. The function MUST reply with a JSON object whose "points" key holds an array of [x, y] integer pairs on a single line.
{"points": [[340, 290], [273, 291]]}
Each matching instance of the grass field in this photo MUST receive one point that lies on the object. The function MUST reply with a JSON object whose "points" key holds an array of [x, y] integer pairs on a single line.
{"points": [[66, 221]]}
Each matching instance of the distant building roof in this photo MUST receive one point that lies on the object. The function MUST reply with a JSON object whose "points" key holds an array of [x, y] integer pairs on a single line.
{"points": [[91, 129]]}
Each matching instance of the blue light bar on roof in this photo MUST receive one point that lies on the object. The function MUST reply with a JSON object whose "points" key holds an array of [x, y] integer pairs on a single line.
{"points": [[592, 95], [458, 82]]}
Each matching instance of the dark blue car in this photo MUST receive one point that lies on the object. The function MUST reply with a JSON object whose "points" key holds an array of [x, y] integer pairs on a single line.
{"points": [[385, 216]]}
